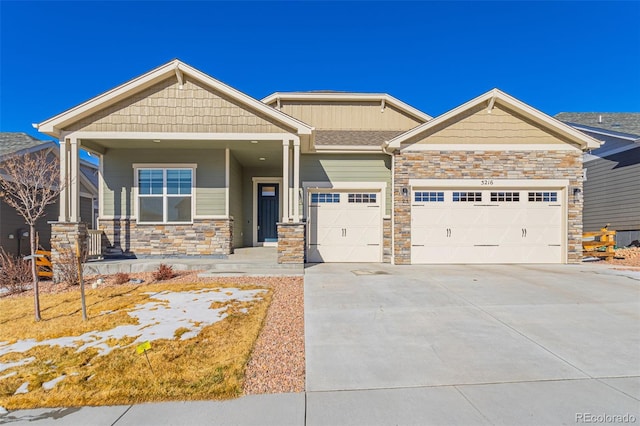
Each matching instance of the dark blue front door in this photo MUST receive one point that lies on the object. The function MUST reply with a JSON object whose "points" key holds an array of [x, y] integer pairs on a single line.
{"points": [[268, 212]]}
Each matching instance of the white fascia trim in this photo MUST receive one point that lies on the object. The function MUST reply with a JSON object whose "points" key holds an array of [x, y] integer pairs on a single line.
{"points": [[576, 136], [489, 184], [53, 125], [489, 147], [182, 136], [591, 157], [376, 97]]}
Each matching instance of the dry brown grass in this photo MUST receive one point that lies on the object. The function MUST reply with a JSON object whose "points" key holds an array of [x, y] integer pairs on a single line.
{"points": [[208, 366]]}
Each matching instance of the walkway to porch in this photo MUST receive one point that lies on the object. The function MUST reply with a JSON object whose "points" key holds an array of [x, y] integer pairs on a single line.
{"points": [[245, 261]]}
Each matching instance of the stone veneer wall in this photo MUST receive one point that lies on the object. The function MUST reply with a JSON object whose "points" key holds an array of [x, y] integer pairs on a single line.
{"points": [[203, 237], [63, 239], [291, 243], [386, 240], [485, 165]]}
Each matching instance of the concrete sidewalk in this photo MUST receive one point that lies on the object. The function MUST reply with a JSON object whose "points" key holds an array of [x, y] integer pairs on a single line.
{"points": [[439, 345]]}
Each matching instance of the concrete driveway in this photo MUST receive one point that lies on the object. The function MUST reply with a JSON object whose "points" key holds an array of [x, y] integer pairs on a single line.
{"points": [[490, 344]]}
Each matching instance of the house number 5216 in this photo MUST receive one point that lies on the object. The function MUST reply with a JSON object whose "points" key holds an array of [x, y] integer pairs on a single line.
{"points": [[485, 182]]}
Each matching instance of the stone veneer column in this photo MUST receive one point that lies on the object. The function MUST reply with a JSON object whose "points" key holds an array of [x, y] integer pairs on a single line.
{"points": [[63, 237], [291, 243]]}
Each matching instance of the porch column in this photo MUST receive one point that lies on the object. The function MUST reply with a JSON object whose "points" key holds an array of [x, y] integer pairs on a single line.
{"points": [[285, 180], [296, 180], [64, 181], [74, 181]]}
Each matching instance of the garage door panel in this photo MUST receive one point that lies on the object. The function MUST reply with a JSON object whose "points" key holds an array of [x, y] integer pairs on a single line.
{"points": [[345, 227], [510, 226]]}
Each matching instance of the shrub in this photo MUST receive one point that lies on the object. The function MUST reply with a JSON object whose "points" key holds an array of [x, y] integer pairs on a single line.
{"points": [[121, 278], [164, 272], [15, 273]]}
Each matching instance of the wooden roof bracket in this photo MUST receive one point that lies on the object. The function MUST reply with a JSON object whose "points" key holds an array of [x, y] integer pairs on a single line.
{"points": [[382, 105], [492, 102], [179, 76]]}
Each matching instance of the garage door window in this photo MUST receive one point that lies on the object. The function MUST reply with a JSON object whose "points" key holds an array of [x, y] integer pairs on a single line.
{"points": [[543, 197], [429, 197], [505, 196], [362, 198], [467, 196], [325, 198]]}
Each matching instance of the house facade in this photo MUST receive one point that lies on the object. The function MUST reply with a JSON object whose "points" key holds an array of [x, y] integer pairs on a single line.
{"points": [[190, 166], [612, 172]]}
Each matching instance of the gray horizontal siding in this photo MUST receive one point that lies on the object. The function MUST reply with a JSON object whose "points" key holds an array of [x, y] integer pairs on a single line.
{"points": [[612, 192], [348, 168], [119, 180]]}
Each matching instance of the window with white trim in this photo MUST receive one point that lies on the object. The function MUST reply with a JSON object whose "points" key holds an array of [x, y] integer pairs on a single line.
{"points": [[429, 197], [505, 196], [325, 197], [362, 198], [467, 196], [543, 197], [164, 195]]}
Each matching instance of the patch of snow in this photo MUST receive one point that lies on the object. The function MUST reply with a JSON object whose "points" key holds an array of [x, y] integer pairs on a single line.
{"points": [[156, 320], [3, 411], [52, 383], [8, 365], [6, 376], [24, 388]]}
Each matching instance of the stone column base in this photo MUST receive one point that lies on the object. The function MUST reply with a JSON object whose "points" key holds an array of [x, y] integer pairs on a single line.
{"points": [[63, 243], [291, 239]]}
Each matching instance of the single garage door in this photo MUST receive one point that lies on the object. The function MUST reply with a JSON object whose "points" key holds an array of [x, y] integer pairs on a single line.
{"points": [[345, 227], [486, 226]]}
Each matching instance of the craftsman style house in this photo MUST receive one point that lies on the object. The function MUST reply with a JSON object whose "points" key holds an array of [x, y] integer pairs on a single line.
{"points": [[190, 166]]}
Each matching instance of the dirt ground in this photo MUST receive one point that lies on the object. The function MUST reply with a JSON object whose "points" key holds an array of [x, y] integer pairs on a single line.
{"points": [[626, 257]]}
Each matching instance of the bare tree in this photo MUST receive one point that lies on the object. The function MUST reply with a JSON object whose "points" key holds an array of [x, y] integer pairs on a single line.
{"points": [[29, 183]]}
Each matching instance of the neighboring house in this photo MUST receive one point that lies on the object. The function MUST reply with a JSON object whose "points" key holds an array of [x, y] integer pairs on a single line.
{"points": [[192, 166], [14, 233], [612, 172]]}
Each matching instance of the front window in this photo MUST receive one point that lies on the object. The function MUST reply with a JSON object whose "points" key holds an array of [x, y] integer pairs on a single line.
{"points": [[164, 195]]}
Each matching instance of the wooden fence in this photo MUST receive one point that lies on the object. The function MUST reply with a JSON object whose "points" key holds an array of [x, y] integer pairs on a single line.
{"points": [[599, 244]]}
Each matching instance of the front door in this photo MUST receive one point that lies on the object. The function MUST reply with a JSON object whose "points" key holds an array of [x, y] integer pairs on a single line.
{"points": [[268, 212]]}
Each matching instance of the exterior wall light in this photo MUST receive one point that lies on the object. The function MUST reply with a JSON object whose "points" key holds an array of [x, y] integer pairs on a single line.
{"points": [[405, 192]]}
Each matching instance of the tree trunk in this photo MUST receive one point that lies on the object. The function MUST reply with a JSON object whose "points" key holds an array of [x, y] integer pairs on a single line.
{"points": [[34, 271]]}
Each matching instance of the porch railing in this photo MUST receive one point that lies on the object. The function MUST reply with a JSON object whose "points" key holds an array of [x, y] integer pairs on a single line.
{"points": [[94, 243]]}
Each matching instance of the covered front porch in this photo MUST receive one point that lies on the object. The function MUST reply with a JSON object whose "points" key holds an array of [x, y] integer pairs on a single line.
{"points": [[184, 195]]}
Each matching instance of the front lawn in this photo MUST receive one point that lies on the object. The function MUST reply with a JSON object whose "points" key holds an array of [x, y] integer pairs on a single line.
{"points": [[201, 337]]}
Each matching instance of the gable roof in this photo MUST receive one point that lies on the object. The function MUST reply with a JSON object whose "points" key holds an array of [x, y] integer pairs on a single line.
{"points": [[622, 124], [18, 142], [329, 95], [491, 98], [53, 126]]}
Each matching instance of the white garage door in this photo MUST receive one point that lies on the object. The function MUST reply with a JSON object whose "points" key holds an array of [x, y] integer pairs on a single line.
{"points": [[486, 226], [345, 227]]}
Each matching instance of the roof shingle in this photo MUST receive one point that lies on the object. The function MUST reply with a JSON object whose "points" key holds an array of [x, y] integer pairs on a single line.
{"points": [[355, 137], [619, 122]]}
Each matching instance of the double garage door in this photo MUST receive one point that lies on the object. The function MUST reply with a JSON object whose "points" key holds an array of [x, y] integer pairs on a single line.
{"points": [[486, 226], [345, 226]]}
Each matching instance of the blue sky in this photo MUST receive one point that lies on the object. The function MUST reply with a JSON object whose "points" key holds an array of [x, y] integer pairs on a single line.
{"points": [[555, 56]]}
